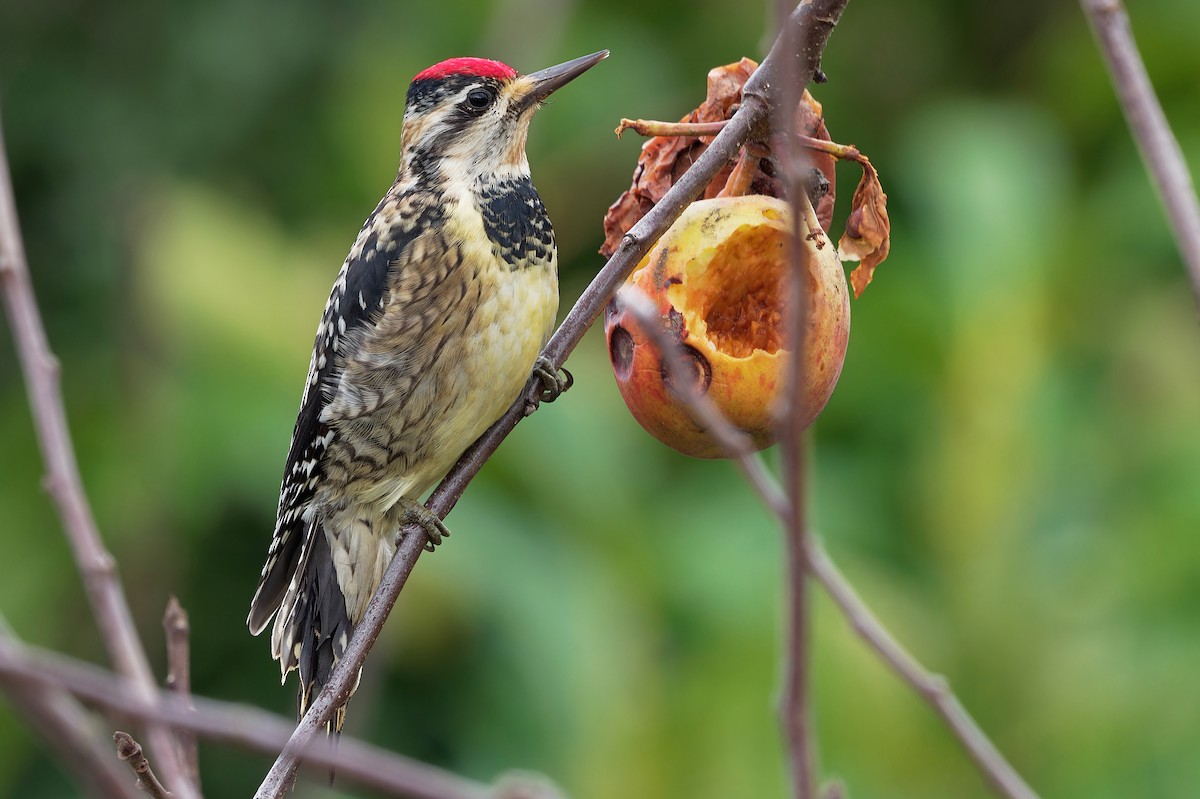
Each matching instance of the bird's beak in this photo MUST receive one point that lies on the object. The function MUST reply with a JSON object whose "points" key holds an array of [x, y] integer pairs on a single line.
{"points": [[545, 81]]}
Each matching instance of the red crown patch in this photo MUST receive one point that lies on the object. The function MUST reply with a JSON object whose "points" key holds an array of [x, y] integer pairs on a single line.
{"points": [[482, 67]]}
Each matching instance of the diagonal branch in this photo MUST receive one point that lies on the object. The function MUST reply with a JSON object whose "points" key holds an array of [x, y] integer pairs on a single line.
{"points": [[760, 96], [95, 563], [1160, 149], [933, 688]]}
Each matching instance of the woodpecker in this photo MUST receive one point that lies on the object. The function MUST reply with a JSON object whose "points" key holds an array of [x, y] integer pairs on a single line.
{"points": [[433, 327]]}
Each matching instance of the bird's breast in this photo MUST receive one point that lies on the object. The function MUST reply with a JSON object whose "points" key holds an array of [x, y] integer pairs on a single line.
{"points": [[469, 312]]}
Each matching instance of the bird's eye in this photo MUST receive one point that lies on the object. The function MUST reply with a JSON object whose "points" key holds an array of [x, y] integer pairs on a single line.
{"points": [[480, 98]]}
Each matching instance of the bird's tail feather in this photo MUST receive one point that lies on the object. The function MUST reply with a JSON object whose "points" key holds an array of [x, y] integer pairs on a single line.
{"points": [[313, 627]]}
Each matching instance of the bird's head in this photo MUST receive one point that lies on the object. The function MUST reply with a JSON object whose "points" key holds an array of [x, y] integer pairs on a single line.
{"points": [[471, 115]]}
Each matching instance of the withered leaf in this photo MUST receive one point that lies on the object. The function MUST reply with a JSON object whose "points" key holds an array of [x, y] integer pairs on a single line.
{"points": [[665, 158], [867, 237]]}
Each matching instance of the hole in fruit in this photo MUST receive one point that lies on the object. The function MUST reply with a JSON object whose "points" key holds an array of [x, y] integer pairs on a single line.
{"points": [[620, 351], [740, 294], [698, 367]]}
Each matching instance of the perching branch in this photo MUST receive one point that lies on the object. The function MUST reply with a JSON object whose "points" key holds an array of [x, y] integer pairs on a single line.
{"points": [[62, 481], [238, 725], [759, 97], [1159, 147]]}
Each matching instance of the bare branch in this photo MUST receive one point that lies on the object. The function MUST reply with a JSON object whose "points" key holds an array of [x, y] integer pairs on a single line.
{"points": [[1158, 145], [95, 564], [179, 679], [795, 710], [238, 725], [130, 751]]}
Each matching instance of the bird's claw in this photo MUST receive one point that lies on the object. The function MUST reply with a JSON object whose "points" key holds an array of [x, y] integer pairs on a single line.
{"points": [[413, 512], [553, 385]]}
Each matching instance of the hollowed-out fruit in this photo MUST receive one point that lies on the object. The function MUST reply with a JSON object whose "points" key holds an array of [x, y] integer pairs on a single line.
{"points": [[718, 279]]}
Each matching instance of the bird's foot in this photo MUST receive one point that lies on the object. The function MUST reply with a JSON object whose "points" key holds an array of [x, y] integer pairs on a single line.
{"points": [[553, 385], [413, 512]]}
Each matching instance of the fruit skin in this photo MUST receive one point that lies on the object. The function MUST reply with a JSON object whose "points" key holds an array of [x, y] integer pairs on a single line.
{"points": [[718, 280]]}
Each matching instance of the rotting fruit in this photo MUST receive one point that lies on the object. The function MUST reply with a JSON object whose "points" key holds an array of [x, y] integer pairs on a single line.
{"points": [[718, 280]]}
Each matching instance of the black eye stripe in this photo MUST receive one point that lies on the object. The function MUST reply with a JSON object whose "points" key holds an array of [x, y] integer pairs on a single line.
{"points": [[428, 93]]}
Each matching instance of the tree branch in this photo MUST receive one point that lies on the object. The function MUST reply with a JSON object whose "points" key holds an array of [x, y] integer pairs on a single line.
{"points": [[795, 708], [1151, 131], [95, 564], [239, 725]]}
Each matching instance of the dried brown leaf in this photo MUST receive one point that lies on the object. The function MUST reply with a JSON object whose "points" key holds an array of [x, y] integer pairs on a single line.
{"points": [[867, 237], [665, 158]]}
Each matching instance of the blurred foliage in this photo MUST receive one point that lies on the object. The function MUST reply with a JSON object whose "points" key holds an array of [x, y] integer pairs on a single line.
{"points": [[1007, 469]]}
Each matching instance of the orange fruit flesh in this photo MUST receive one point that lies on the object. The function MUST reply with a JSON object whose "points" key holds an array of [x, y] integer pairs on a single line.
{"points": [[739, 293]]}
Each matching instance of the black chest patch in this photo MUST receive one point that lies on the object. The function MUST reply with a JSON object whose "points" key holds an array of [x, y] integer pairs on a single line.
{"points": [[516, 221]]}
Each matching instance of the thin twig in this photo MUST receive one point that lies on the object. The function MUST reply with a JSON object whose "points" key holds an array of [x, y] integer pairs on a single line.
{"points": [[653, 127], [234, 724], [130, 751], [65, 725], [1158, 145], [95, 564], [795, 706], [179, 679]]}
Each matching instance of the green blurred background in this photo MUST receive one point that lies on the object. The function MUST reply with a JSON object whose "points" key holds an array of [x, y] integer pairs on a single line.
{"points": [[1007, 471]]}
